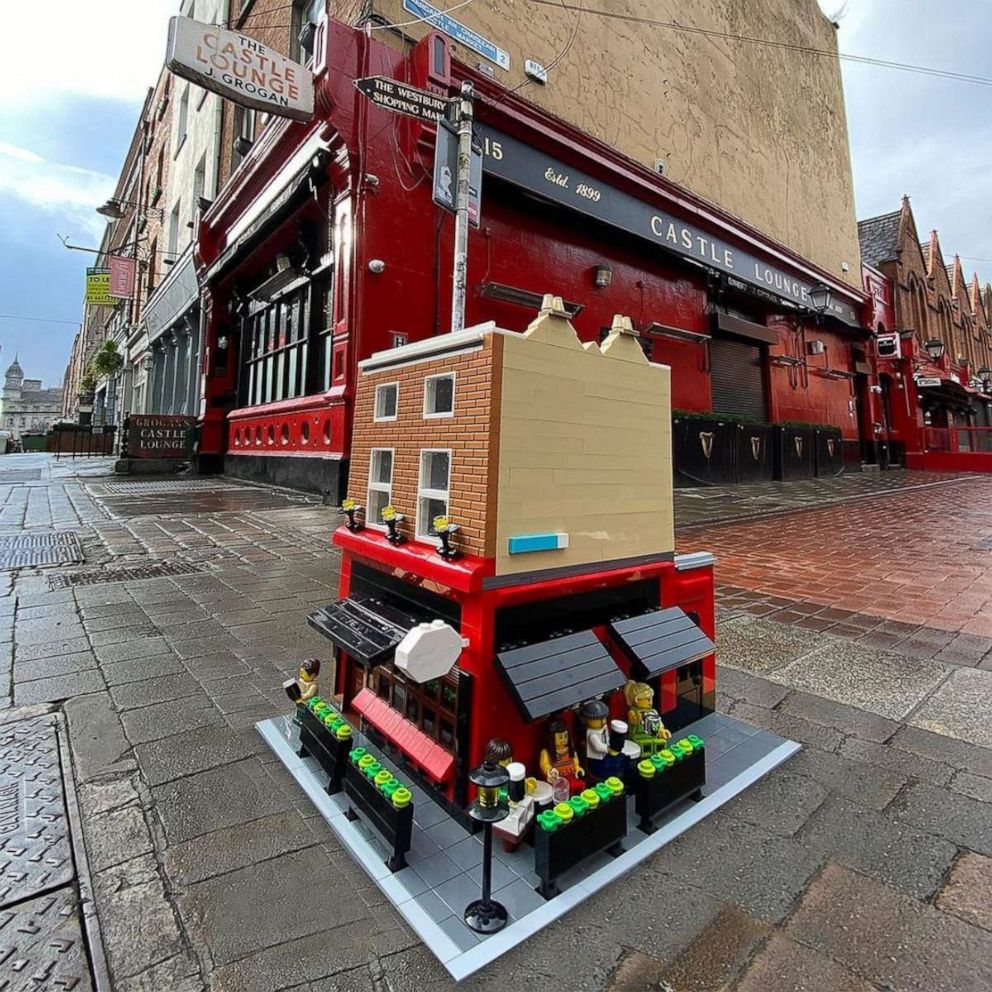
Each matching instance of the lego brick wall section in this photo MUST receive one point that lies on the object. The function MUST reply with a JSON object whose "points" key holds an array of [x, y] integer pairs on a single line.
{"points": [[468, 434], [585, 449], [758, 131]]}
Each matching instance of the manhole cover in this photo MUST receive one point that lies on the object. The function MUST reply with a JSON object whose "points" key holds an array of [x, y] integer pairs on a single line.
{"points": [[41, 946], [20, 475], [158, 570], [27, 550], [147, 488], [35, 854]]}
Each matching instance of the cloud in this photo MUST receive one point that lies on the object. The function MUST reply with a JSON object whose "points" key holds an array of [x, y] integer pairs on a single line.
{"points": [[63, 190], [23, 154], [109, 50]]}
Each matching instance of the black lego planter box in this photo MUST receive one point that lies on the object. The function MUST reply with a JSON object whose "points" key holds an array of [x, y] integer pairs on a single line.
{"points": [[394, 825], [599, 829], [319, 743], [653, 796]]}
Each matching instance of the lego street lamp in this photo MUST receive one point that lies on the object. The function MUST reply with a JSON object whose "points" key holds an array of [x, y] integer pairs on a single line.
{"points": [[820, 297], [934, 347], [485, 915]]}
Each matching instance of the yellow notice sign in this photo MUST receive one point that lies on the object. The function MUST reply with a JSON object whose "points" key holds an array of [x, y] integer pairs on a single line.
{"points": [[98, 288]]}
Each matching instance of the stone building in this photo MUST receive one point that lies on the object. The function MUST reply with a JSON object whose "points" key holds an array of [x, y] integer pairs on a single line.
{"points": [[24, 405], [937, 377]]}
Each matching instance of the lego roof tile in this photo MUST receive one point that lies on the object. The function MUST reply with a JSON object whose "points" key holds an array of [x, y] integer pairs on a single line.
{"points": [[367, 629], [879, 237], [554, 675], [659, 641]]}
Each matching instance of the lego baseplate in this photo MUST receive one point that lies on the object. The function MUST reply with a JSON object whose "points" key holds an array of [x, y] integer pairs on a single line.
{"points": [[444, 864]]}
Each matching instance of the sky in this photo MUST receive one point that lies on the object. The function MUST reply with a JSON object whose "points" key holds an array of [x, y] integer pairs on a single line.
{"points": [[68, 109]]}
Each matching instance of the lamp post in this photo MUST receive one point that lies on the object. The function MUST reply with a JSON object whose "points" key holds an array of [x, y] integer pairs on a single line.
{"points": [[485, 915], [934, 347]]}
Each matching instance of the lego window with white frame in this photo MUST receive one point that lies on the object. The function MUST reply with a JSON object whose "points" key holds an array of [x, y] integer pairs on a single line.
{"points": [[439, 395], [387, 400], [432, 490], [380, 486]]}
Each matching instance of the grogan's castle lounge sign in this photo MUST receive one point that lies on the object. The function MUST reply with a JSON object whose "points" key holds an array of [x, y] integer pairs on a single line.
{"points": [[517, 163], [240, 68]]}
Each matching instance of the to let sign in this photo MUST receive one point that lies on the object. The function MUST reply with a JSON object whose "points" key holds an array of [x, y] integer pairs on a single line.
{"points": [[239, 68], [160, 436], [397, 97]]}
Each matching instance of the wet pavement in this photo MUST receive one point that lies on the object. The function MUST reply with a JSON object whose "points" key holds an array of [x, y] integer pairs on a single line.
{"points": [[864, 863]]}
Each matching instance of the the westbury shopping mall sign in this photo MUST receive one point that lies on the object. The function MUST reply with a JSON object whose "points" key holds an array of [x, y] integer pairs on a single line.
{"points": [[239, 68]]}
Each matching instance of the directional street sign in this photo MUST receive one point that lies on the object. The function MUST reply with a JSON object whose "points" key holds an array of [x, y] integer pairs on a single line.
{"points": [[392, 95]]}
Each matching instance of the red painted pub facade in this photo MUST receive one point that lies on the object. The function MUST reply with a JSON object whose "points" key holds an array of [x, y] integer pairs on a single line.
{"points": [[325, 246]]}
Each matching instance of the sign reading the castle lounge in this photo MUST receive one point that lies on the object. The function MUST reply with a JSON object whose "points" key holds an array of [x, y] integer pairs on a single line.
{"points": [[517, 163], [160, 436], [240, 68]]}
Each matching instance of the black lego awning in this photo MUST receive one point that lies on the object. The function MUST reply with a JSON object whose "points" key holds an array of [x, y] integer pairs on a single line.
{"points": [[367, 629], [553, 675], [660, 641]]}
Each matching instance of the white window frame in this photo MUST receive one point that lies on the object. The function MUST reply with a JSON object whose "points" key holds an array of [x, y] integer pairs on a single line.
{"points": [[424, 492], [182, 121], [379, 487], [375, 410], [428, 415]]}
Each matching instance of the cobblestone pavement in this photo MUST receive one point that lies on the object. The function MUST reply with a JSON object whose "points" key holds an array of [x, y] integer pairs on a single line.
{"points": [[865, 863]]}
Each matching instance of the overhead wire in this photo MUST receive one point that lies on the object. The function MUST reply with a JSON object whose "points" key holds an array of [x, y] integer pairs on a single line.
{"points": [[767, 42]]}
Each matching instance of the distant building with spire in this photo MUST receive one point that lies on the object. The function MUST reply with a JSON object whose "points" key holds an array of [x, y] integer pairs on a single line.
{"points": [[24, 405]]}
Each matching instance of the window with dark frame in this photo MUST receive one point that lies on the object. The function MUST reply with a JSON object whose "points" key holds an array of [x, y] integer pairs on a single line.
{"points": [[278, 342], [431, 707]]}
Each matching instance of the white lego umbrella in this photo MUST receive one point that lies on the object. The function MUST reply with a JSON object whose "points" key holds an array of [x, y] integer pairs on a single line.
{"points": [[429, 651]]}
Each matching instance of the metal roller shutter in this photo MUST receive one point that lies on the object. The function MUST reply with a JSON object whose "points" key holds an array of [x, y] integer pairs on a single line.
{"points": [[737, 378]]}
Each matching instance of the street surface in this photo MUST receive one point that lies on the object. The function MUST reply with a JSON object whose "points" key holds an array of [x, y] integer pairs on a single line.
{"points": [[857, 620]]}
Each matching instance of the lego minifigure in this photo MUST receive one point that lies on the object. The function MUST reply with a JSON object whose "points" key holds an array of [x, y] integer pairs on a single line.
{"points": [[498, 750], [594, 714], [304, 687], [646, 728], [561, 762]]}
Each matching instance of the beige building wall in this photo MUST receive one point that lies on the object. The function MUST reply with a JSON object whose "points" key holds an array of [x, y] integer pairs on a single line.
{"points": [[584, 448], [758, 130]]}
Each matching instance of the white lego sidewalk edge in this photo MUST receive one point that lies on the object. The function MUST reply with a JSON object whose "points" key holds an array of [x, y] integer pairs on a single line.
{"points": [[461, 964]]}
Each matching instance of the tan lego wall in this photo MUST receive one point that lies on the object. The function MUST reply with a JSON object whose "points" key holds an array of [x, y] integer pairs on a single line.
{"points": [[584, 449], [468, 434], [760, 131]]}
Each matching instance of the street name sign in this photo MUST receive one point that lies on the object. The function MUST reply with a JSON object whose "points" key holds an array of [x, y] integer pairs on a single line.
{"points": [[397, 97]]}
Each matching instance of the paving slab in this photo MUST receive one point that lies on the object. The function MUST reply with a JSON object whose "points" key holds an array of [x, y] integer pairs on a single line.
{"points": [[172, 718], [136, 670], [197, 751], [943, 813], [947, 750], [782, 965], [762, 646], [62, 687], [968, 890], [865, 784], [294, 889], [99, 747], [889, 938], [134, 695], [960, 708], [217, 798], [781, 803], [904, 763], [892, 851], [846, 719], [45, 668], [880, 682]]}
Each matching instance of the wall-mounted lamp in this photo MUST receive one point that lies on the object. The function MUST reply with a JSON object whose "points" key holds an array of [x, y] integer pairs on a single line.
{"points": [[603, 276], [934, 348], [820, 297], [377, 266]]}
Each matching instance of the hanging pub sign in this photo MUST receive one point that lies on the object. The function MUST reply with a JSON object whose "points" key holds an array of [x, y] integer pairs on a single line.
{"points": [[528, 168], [239, 68], [98, 288], [121, 277]]}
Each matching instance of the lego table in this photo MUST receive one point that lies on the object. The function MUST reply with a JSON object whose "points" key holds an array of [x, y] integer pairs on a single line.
{"points": [[443, 866]]}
